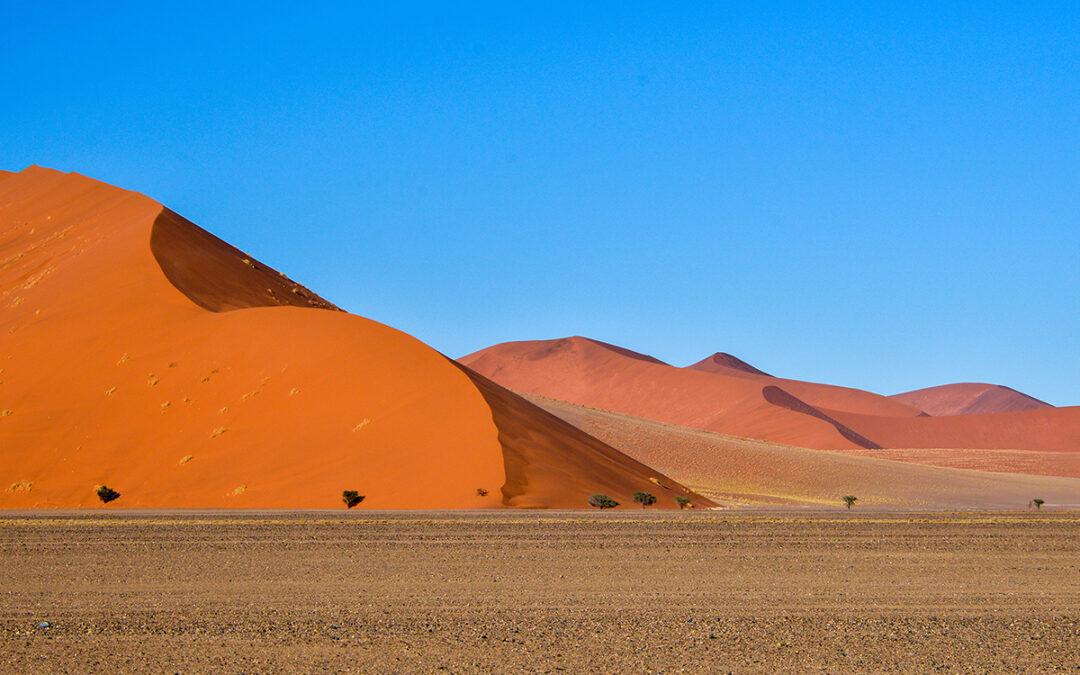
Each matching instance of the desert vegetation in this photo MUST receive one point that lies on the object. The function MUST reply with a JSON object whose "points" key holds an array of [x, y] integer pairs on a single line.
{"points": [[351, 498], [602, 502], [849, 500], [646, 499], [106, 494], [683, 502], [1038, 503]]}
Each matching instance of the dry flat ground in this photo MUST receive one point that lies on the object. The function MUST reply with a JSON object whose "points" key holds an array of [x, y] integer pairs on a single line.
{"points": [[623, 591]]}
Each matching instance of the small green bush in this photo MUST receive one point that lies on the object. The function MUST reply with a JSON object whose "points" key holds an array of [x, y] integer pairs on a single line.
{"points": [[106, 494], [849, 500], [602, 502], [351, 498], [644, 498], [683, 502], [481, 492], [1038, 503]]}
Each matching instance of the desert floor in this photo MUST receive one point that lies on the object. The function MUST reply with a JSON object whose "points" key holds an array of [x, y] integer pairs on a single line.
{"points": [[625, 591]]}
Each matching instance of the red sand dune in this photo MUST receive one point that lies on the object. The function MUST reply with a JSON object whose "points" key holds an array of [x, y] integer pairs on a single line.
{"points": [[593, 373], [725, 397], [143, 353], [969, 398]]}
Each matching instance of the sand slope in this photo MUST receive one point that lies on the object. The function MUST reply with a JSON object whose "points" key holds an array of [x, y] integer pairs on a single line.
{"points": [[969, 398], [743, 471], [143, 353]]}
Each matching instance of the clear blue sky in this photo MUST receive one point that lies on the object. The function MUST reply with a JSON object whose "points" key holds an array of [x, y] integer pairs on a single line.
{"points": [[880, 198]]}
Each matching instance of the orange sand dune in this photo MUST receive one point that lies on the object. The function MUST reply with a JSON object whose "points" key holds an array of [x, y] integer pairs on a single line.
{"points": [[142, 353], [596, 374], [969, 398]]}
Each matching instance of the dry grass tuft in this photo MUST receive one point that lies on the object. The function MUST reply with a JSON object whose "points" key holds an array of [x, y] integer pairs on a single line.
{"points": [[217, 432], [185, 459], [22, 486]]}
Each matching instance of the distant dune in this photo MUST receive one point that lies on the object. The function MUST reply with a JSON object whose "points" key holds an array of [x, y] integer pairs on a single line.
{"points": [[969, 398], [142, 353], [593, 373], [743, 471], [725, 395]]}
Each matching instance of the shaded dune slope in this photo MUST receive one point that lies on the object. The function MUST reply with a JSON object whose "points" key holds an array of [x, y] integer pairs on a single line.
{"points": [[745, 471], [779, 397], [547, 457], [114, 372], [969, 398], [219, 277]]}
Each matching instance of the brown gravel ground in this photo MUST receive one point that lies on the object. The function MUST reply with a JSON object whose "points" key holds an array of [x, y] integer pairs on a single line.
{"points": [[624, 591]]}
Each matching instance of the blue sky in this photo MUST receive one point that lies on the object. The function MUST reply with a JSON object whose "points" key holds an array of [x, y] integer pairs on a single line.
{"points": [[874, 197]]}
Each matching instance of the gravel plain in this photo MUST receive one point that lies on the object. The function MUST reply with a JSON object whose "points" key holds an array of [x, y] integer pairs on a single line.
{"points": [[623, 591]]}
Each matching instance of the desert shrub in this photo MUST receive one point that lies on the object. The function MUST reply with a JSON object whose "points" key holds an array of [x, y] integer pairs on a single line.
{"points": [[106, 494], [1038, 504], [644, 498], [683, 502], [481, 492], [351, 498], [602, 502], [849, 500]]}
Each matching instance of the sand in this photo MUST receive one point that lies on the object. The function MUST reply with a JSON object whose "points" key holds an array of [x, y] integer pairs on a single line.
{"points": [[142, 353], [541, 592]]}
